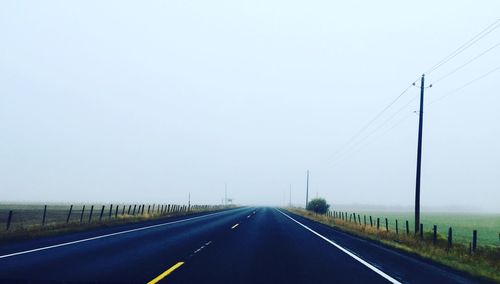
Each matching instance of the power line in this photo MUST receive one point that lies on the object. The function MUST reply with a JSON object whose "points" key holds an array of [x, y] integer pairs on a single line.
{"points": [[464, 85], [466, 45], [466, 63], [373, 132], [367, 125]]}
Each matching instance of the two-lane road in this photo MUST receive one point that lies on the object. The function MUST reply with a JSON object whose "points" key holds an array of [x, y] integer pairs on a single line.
{"points": [[245, 245]]}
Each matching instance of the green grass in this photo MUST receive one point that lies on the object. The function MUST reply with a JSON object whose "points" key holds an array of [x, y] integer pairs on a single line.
{"points": [[483, 264], [27, 218], [487, 225]]}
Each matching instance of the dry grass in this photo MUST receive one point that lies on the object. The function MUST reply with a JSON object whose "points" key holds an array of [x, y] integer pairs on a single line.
{"points": [[36, 230], [484, 263]]}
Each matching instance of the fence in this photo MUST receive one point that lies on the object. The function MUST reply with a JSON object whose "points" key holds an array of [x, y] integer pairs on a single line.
{"points": [[25, 216], [385, 226]]}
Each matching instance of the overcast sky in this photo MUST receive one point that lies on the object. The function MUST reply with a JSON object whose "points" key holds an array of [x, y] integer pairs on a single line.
{"points": [[145, 101]]}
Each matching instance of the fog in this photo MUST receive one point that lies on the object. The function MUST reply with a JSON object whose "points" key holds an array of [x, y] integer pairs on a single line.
{"points": [[147, 101]]}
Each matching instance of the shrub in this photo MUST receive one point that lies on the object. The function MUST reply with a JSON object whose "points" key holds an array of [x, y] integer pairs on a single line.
{"points": [[318, 205]]}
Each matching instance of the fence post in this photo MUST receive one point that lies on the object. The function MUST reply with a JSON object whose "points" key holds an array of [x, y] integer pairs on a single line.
{"points": [[434, 234], [123, 210], [421, 231], [474, 240], [364, 217], [135, 206], [142, 211], [9, 220], [450, 237], [371, 221], [91, 211], [407, 228], [386, 225], [69, 213], [116, 211], [44, 215], [81, 215], [129, 207], [354, 215], [102, 212], [110, 210], [359, 219], [168, 208], [149, 208], [397, 229], [378, 223]]}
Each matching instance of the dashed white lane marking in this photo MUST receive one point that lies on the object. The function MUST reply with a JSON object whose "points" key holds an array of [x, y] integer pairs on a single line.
{"points": [[107, 235], [376, 270]]}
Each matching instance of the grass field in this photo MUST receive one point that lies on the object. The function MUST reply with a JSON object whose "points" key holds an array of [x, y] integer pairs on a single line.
{"points": [[487, 225]]}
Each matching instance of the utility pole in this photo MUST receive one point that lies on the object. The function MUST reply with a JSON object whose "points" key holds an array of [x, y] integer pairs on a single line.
{"points": [[290, 196], [419, 156], [307, 188]]}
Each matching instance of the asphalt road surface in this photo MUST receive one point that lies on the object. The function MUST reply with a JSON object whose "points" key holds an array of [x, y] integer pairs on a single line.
{"points": [[244, 245]]}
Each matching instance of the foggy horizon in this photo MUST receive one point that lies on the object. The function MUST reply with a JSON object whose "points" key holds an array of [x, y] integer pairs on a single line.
{"points": [[117, 102]]}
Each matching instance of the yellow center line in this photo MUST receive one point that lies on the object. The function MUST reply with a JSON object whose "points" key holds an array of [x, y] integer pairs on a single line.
{"points": [[167, 272], [234, 226]]}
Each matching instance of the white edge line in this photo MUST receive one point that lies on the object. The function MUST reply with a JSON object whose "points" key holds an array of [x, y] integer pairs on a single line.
{"points": [[105, 236], [376, 270]]}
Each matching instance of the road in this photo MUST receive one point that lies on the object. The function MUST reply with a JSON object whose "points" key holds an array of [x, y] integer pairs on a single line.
{"points": [[244, 245]]}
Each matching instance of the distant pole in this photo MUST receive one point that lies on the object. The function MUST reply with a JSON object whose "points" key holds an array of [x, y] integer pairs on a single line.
{"points": [[307, 189], [189, 201], [419, 156]]}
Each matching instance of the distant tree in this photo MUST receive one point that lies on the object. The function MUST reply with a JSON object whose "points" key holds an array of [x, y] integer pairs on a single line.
{"points": [[318, 205]]}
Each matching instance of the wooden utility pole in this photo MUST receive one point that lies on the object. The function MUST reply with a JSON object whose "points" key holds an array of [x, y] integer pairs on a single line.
{"points": [[419, 156]]}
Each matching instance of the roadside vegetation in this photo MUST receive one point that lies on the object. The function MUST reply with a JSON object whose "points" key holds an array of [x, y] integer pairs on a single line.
{"points": [[28, 221], [484, 263]]}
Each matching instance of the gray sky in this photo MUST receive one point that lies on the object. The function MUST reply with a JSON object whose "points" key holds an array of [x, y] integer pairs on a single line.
{"points": [[121, 101]]}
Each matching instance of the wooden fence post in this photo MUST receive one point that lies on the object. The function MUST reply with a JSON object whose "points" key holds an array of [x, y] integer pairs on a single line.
{"points": [[168, 208], [474, 240], [44, 215], [110, 210], [116, 211], [81, 215], [450, 237], [9, 220], [129, 207], [378, 223], [102, 212], [407, 228], [91, 211], [364, 217], [434, 234], [371, 222], [386, 225], [135, 206], [69, 213], [397, 229], [359, 219]]}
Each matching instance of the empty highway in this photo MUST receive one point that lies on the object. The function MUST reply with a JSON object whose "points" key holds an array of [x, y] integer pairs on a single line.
{"points": [[244, 245]]}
